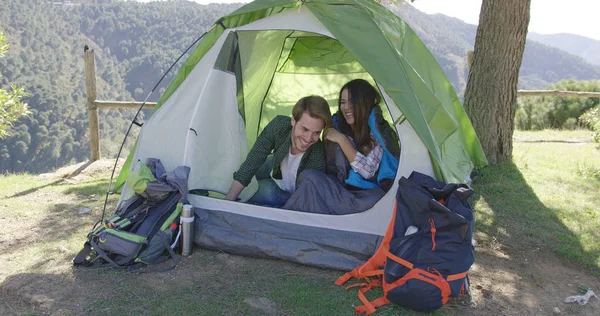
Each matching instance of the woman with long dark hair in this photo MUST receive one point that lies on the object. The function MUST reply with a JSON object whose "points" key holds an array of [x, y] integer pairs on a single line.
{"points": [[362, 157]]}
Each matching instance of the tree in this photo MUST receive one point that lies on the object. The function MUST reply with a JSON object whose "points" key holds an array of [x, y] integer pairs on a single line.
{"points": [[491, 92], [11, 106]]}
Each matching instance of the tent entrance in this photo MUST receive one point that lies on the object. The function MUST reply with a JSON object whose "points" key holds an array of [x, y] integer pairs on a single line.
{"points": [[275, 68]]}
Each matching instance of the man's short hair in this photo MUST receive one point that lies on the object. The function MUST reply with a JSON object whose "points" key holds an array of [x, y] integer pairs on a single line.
{"points": [[316, 107]]}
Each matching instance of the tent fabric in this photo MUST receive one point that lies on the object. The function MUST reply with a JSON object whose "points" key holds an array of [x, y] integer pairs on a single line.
{"points": [[318, 246], [255, 64], [426, 98], [138, 180]]}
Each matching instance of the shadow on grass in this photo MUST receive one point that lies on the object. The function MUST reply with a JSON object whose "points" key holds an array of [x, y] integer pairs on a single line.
{"points": [[94, 187], [59, 223], [60, 220], [32, 190], [64, 217], [79, 170], [207, 283], [518, 219], [99, 186]]}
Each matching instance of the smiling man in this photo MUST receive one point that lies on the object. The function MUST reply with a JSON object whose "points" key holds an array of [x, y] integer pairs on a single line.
{"points": [[295, 146]]}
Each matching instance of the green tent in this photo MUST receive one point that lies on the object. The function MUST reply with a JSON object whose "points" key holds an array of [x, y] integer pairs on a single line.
{"points": [[258, 61]]}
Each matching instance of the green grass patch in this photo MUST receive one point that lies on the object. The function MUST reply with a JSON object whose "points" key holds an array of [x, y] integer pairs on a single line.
{"points": [[553, 135], [548, 197], [41, 215]]}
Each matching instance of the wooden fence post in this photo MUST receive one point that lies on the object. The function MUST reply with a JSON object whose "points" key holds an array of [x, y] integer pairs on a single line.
{"points": [[90, 89]]}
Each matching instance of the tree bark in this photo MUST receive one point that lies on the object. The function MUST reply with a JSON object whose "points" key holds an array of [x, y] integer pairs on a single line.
{"points": [[491, 93]]}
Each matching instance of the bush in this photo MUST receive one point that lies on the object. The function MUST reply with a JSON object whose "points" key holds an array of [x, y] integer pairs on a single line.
{"points": [[539, 113], [591, 119], [570, 123]]}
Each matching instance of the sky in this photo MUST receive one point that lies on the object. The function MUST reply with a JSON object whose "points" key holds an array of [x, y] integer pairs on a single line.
{"points": [[547, 16]]}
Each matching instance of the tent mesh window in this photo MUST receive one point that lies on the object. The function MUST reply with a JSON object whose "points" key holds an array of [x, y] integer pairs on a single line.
{"points": [[229, 61]]}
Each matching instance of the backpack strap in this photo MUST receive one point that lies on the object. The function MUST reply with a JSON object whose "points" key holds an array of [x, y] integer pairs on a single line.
{"points": [[377, 261], [372, 268], [449, 278], [400, 260], [103, 254], [433, 278], [369, 307], [81, 257], [458, 276], [142, 267]]}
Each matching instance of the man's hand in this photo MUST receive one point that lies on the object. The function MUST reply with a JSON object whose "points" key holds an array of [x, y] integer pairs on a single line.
{"points": [[235, 190]]}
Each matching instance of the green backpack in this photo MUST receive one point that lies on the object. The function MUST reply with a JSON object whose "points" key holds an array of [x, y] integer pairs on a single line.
{"points": [[144, 228]]}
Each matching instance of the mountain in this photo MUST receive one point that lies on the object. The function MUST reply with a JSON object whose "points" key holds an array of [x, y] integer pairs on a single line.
{"points": [[584, 47], [136, 43], [449, 39]]}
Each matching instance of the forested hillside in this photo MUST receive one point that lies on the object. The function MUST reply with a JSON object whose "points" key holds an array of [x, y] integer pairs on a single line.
{"points": [[585, 47], [135, 43]]}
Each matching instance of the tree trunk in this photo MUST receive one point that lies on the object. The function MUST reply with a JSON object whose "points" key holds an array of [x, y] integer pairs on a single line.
{"points": [[491, 93]]}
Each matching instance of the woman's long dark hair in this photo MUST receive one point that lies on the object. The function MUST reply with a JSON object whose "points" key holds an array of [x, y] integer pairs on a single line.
{"points": [[364, 97]]}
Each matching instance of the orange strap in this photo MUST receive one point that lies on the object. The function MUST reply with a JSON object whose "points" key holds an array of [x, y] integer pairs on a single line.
{"points": [[344, 278], [433, 230], [454, 277], [400, 260], [376, 261], [420, 274], [370, 307], [358, 284], [377, 272], [373, 268]]}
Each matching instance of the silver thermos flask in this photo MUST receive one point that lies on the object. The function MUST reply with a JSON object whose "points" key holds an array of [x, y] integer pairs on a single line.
{"points": [[187, 229]]}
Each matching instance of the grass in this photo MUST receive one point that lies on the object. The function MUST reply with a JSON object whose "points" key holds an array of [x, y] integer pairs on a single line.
{"points": [[553, 135], [546, 198], [42, 218]]}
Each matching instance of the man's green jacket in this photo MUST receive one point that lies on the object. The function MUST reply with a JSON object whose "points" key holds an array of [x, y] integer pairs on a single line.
{"points": [[276, 138]]}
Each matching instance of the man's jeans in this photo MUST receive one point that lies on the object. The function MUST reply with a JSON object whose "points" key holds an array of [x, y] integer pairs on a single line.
{"points": [[269, 193]]}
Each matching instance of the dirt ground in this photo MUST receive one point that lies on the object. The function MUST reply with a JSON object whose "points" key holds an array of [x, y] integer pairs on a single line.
{"points": [[511, 281], [505, 280]]}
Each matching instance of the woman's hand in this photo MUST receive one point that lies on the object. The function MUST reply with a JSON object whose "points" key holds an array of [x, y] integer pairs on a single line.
{"points": [[335, 136], [331, 134]]}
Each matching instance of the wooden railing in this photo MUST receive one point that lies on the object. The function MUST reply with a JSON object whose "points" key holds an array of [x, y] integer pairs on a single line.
{"points": [[93, 105], [557, 93]]}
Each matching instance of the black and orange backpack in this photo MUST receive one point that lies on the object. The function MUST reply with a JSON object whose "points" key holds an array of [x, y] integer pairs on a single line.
{"points": [[427, 249]]}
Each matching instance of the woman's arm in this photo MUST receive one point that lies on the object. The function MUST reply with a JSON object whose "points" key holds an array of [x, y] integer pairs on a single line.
{"points": [[335, 136], [367, 166]]}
